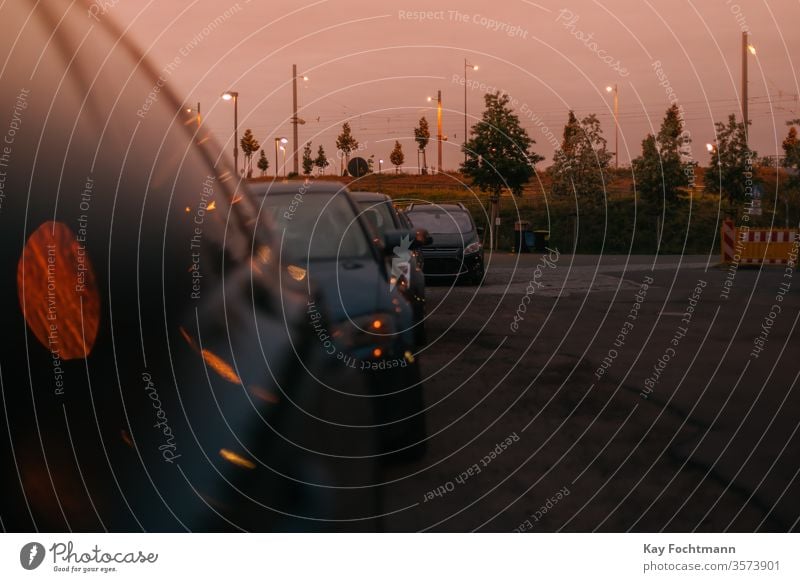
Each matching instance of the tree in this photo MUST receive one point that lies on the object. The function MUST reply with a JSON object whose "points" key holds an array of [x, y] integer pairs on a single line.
{"points": [[346, 143], [422, 135], [580, 165], [249, 145], [791, 149], [263, 163], [308, 163], [499, 154], [321, 161], [663, 166], [731, 170], [397, 157]]}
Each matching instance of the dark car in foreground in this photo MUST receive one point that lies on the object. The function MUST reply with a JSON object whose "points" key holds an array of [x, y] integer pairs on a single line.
{"points": [[406, 260], [455, 249], [364, 322], [158, 371]]}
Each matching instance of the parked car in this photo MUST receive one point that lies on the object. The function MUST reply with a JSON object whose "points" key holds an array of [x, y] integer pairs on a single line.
{"points": [[455, 249], [327, 242], [406, 260], [158, 369]]}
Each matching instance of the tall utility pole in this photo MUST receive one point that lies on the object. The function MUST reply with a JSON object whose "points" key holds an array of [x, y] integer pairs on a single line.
{"points": [[745, 48], [616, 122], [439, 132], [295, 145], [474, 68], [616, 126], [228, 96]]}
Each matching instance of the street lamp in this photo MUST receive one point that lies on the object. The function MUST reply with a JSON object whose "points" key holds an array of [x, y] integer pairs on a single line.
{"points": [[380, 166], [614, 89], [196, 111], [474, 68], [295, 119], [227, 96], [710, 147], [438, 130], [278, 142]]}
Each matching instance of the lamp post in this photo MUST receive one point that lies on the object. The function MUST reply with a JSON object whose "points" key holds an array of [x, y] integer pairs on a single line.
{"points": [[295, 120], [474, 68], [746, 48], [278, 142], [196, 111], [616, 122], [227, 96], [380, 166], [438, 131], [283, 149]]}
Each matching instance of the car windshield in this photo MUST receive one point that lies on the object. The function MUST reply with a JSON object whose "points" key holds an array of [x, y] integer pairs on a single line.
{"points": [[316, 227], [378, 214], [441, 221]]}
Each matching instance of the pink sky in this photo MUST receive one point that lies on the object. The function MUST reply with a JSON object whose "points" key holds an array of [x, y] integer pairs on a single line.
{"points": [[375, 63]]}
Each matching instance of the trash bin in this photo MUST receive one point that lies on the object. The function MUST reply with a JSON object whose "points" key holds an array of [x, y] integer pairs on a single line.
{"points": [[541, 238], [522, 231]]}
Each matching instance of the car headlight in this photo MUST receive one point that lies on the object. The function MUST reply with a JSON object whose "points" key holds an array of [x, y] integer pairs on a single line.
{"points": [[400, 274], [400, 282], [472, 248], [375, 329]]}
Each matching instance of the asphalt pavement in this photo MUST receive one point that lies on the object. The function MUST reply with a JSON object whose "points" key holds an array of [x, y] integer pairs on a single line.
{"points": [[614, 393]]}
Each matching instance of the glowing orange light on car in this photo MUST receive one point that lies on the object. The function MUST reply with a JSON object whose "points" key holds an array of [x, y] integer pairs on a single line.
{"points": [[237, 460], [58, 291], [220, 366]]}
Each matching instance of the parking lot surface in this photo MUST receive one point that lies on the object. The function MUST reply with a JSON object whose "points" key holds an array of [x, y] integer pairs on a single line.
{"points": [[581, 393]]}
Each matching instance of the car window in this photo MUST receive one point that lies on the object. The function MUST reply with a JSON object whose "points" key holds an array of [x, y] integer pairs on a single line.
{"points": [[378, 214], [441, 221], [321, 228]]}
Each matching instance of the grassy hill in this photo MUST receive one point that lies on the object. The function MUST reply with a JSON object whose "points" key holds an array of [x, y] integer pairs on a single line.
{"points": [[620, 223]]}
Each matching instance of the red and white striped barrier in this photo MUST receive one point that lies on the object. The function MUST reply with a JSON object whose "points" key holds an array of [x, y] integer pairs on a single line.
{"points": [[758, 246], [727, 238]]}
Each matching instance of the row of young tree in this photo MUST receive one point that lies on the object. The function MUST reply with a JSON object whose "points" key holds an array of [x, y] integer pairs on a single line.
{"points": [[346, 143], [250, 145], [499, 156]]}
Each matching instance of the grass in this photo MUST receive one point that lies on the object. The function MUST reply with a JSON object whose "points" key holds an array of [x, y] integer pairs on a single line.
{"points": [[619, 223]]}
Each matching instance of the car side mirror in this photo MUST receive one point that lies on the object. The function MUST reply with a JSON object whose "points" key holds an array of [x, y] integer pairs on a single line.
{"points": [[405, 240], [422, 237], [394, 238]]}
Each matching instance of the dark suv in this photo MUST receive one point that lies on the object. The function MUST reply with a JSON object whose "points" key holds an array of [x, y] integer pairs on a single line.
{"points": [[455, 249]]}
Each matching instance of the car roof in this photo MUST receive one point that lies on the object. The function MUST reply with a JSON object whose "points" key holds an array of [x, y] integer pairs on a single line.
{"points": [[427, 207], [298, 187], [369, 196]]}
